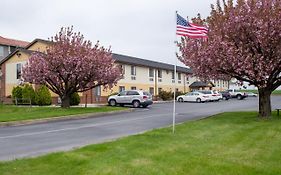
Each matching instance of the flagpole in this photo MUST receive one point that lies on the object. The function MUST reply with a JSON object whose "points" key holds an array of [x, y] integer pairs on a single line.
{"points": [[175, 77]]}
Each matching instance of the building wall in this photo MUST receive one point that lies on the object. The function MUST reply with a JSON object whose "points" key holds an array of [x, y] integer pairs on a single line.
{"points": [[39, 46], [141, 80]]}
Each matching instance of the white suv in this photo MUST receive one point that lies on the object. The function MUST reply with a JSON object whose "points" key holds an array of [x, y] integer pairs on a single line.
{"points": [[136, 98]]}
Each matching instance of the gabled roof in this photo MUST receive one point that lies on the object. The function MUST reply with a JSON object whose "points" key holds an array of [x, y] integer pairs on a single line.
{"points": [[15, 52], [201, 84], [12, 42], [153, 64]]}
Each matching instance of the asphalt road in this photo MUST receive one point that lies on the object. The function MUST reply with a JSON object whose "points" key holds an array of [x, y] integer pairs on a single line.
{"points": [[38, 139]]}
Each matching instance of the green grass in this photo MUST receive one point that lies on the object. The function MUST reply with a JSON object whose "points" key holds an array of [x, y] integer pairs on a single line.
{"points": [[18, 113], [276, 92], [227, 144]]}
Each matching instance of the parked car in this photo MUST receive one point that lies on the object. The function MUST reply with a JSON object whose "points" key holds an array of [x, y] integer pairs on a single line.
{"points": [[251, 94], [136, 98], [237, 94], [213, 95], [193, 97], [225, 95]]}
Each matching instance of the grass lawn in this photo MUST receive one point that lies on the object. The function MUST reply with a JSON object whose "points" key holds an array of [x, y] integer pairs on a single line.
{"points": [[227, 144], [17, 113], [276, 92]]}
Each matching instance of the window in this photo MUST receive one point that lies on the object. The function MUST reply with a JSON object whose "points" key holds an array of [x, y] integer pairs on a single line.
{"points": [[122, 69], [151, 72], [121, 88], [173, 75], [123, 93], [151, 90], [133, 88], [1, 51], [179, 76], [19, 71], [159, 73], [132, 93], [187, 80], [133, 71]]}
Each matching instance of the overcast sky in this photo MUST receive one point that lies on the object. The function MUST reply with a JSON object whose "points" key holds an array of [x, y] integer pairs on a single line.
{"points": [[140, 28]]}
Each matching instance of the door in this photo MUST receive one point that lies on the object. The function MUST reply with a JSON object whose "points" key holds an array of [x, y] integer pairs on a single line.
{"points": [[188, 97], [97, 93], [121, 97]]}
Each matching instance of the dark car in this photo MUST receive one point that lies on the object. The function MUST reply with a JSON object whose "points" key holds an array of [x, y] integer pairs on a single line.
{"points": [[225, 95]]}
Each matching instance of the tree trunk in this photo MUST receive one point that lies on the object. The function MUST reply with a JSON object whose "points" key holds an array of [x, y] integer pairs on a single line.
{"points": [[264, 103], [65, 101]]}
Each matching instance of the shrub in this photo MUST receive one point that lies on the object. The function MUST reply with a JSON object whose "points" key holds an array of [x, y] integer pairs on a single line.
{"points": [[74, 99], [165, 95], [28, 93], [17, 93], [43, 96]]}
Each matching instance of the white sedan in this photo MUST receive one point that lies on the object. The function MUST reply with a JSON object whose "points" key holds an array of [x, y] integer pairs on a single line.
{"points": [[193, 96]]}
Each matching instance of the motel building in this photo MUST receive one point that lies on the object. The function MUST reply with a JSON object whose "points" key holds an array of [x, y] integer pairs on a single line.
{"points": [[138, 74]]}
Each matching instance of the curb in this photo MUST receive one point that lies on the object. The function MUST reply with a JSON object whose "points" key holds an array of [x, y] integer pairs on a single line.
{"points": [[159, 102], [62, 118]]}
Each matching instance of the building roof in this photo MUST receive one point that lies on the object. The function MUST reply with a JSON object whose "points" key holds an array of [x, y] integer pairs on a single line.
{"points": [[12, 42], [142, 62], [201, 84], [119, 58], [37, 40]]}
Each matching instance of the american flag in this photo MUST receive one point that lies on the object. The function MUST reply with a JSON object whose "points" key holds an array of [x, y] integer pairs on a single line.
{"points": [[184, 28]]}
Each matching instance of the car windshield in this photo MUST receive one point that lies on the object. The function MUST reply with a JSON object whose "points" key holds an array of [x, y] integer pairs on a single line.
{"points": [[122, 93], [146, 93]]}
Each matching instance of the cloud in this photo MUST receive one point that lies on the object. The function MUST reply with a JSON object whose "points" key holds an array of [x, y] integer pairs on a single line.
{"points": [[141, 28]]}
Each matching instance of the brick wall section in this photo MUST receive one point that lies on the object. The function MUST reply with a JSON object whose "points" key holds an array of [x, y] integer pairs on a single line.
{"points": [[89, 98]]}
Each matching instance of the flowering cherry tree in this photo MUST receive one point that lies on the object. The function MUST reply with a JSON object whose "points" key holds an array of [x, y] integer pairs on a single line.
{"points": [[244, 42], [71, 64]]}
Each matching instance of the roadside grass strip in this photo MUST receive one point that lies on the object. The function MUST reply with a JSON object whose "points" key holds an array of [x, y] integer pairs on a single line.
{"points": [[10, 113]]}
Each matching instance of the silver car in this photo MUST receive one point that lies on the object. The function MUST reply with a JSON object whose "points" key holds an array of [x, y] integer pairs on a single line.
{"points": [[136, 98]]}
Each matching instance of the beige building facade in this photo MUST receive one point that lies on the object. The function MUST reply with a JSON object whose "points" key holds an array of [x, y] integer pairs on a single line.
{"points": [[138, 74]]}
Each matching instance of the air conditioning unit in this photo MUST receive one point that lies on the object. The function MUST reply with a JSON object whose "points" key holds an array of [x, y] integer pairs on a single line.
{"points": [[159, 80], [179, 81], [133, 78], [151, 79]]}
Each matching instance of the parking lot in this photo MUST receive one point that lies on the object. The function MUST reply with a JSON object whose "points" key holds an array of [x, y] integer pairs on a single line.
{"points": [[38, 139]]}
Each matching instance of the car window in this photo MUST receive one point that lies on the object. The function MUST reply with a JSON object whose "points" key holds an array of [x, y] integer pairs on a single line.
{"points": [[146, 93], [132, 93], [196, 94], [122, 93]]}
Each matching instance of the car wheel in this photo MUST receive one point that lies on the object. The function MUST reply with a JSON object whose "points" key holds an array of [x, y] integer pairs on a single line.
{"points": [[136, 104], [239, 97], [112, 102], [180, 100], [198, 100], [224, 98]]}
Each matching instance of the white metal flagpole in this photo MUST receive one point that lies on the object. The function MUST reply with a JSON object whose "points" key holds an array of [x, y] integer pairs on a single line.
{"points": [[175, 78]]}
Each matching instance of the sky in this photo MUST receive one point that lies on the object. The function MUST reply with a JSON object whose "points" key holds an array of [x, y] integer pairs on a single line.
{"points": [[140, 28]]}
